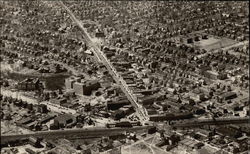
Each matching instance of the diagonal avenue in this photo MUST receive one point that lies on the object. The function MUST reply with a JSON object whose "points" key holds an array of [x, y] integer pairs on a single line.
{"points": [[101, 57]]}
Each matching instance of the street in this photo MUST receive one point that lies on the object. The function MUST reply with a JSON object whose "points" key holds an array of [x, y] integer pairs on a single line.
{"points": [[100, 55]]}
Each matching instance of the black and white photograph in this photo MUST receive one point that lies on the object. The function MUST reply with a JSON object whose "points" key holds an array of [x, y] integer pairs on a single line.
{"points": [[124, 77]]}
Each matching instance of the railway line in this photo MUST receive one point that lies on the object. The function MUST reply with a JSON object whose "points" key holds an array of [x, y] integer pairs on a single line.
{"points": [[84, 133], [217, 121]]}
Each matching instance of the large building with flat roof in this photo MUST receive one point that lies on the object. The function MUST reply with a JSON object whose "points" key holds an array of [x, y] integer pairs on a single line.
{"points": [[81, 86]]}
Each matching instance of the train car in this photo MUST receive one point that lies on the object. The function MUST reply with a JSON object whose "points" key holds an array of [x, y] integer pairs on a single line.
{"points": [[136, 123], [30, 151], [163, 117], [181, 116], [123, 124], [170, 117], [110, 125]]}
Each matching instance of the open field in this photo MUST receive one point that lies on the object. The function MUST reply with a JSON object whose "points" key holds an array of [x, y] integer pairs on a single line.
{"points": [[213, 43], [139, 148]]}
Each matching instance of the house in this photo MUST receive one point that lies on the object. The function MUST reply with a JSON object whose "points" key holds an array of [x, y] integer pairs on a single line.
{"points": [[59, 100], [196, 38], [228, 95], [31, 125], [211, 74], [205, 133], [36, 142], [229, 132], [171, 90], [29, 84], [204, 36], [245, 101], [190, 40], [29, 106], [174, 139], [30, 151], [151, 111], [222, 76], [24, 121], [50, 144], [99, 34], [47, 118], [162, 142]]}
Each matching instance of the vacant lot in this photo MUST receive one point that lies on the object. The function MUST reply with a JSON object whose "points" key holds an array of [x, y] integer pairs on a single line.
{"points": [[214, 43], [139, 148]]}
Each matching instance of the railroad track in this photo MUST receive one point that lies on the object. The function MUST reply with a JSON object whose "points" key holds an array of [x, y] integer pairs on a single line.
{"points": [[217, 121], [91, 132]]}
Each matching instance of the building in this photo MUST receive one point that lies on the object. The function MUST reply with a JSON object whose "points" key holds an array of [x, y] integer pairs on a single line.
{"points": [[83, 87], [116, 104], [231, 132], [196, 38], [127, 109], [170, 116], [147, 100], [30, 151], [190, 40], [211, 74], [78, 88], [42, 108], [228, 95], [222, 76], [47, 119], [59, 101], [69, 83], [204, 36], [117, 115], [245, 101], [31, 125], [29, 84], [65, 120], [24, 121], [151, 111], [99, 34]]}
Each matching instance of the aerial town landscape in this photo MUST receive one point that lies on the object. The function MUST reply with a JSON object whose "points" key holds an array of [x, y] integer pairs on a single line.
{"points": [[124, 77]]}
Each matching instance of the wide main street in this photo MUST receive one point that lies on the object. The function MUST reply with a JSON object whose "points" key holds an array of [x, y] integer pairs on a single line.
{"points": [[101, 57]]}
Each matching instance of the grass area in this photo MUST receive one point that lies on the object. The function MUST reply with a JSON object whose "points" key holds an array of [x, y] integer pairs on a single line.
{"points": [[139, 148], [214, 43], [8, 128], [144, 147], [153, 140], [158, 151]]}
